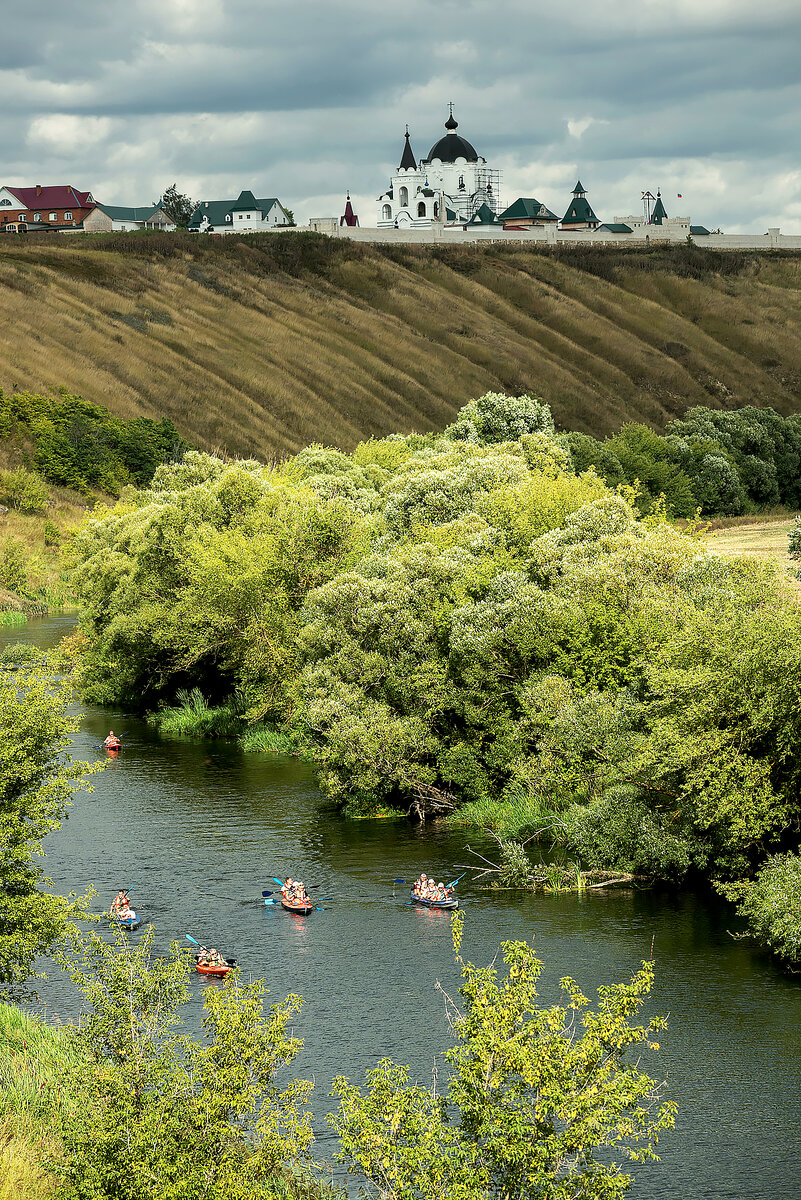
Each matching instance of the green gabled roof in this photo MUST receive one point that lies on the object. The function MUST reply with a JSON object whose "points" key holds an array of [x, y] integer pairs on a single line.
{"points": [[483, 216], [245, 200], [617, 228], [119, 212], [217, 210], [699, 230], [527, 207], [659, 214], [450, 215], [579, 211]]}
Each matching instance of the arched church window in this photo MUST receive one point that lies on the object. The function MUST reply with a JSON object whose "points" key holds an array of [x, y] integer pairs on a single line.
{"points": [[461, 183], [436, 210], [404, 197], [386, 213], [421, 209]]}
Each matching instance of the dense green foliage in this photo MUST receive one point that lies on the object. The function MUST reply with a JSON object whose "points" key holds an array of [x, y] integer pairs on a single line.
{"points": [[171, 1118], [36, 784], [712, 460], [771, 903], [533, 1094], [80, 445], [463, 624]]}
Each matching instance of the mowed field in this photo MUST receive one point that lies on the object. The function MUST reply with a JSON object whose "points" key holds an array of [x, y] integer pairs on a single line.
{"points": [[260, 345], [765, 540]]}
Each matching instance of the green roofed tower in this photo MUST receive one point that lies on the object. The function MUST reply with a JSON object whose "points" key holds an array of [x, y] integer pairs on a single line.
{"points": [[659, 214], [579, 214]]}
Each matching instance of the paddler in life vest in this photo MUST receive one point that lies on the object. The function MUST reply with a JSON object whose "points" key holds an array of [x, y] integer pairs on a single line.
{"points": [[119, 902], [111, 739]]}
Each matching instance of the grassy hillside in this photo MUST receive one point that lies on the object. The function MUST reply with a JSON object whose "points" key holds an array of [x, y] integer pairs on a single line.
{"points": [[262, 344]]}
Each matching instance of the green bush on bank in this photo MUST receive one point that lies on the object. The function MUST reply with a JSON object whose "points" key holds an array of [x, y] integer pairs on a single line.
{"points": [[718, 462], [79, 445]]}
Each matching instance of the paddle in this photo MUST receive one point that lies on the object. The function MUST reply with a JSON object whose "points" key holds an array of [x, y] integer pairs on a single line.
{"points": [[268, 893], [191, 939], [454, 882], [398, 880]]}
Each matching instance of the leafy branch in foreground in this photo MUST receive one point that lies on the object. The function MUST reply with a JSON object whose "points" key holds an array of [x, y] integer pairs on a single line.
{"points": [[170, 1118], [37, 780], [534, 1093]]}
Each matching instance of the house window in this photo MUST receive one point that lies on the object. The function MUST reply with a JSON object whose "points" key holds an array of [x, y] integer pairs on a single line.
{"points": [[386, 213], [5, 203], [21, 217], [37, 216], [404, 197], [421, 209], [67, 216], [228, 216], [53, 217]]}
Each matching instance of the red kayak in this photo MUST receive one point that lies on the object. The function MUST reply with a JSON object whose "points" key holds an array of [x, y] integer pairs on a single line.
{"points": [[112, 746], [301, 908], [219, 970]]}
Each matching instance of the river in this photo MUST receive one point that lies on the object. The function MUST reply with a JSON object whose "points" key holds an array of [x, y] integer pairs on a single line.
{"points": [[201, 828]]}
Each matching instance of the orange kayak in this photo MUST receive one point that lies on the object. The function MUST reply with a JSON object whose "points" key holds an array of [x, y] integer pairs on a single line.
{"points": [[301, 908], [207, 969]]}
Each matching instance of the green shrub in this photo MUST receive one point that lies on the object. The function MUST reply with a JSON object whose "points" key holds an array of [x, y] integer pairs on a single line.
{"points": [[52, 534], [771, 904], [13, 560], [23, 490]]}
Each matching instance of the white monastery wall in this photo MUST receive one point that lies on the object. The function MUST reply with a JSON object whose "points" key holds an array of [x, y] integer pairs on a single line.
{"points": [[550, 235]]}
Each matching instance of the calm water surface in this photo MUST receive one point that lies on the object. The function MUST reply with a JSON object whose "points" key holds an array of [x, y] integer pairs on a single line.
{"points": [[201, 828]]}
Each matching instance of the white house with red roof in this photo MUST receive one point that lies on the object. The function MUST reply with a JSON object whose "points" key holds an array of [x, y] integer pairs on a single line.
{"points": [[60, 207]]}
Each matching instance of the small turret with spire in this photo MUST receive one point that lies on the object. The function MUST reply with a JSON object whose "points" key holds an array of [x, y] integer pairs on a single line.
{"points": [[407, 162]]}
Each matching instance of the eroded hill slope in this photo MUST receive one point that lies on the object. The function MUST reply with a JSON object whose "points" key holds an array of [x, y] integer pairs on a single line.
{"points": [[261, 345]]}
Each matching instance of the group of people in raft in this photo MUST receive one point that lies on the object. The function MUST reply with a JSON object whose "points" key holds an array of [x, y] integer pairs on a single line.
{"points": [[426, 889], [294, 891], [210, 958], [121, 907]]}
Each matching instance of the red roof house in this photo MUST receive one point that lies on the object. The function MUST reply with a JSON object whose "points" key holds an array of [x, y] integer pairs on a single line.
{"points": [[57, 207]]}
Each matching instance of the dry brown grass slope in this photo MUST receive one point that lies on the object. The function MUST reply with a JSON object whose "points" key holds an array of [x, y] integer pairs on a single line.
{"points": [[261, 345]]}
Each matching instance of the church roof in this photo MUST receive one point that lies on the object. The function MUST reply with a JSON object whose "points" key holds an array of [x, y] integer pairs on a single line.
{"points": [[527, 207], [407, 158], [452, 146], [579, 189], [699, 230], [580, 210], [349, 217], [483, 216], [617, 227], [659, 214]]}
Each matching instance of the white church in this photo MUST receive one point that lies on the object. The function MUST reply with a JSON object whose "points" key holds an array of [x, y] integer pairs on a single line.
{"points": [[450, 186]]}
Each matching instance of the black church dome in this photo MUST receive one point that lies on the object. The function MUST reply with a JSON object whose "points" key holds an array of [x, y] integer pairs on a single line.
{"points": [[452, 146]]}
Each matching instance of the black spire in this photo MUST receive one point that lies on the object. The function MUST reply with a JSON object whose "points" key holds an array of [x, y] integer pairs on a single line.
{"points": [[451, 122], [407, 158]]}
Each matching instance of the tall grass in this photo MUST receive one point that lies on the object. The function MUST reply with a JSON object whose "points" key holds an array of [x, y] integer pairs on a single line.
{"points": [[194, 717], [38, 1094], [9, 618], [517, 814], [264, 739]]}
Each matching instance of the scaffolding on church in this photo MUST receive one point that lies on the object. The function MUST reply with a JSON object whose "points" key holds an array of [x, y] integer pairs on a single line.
{"points": [[488, 190]]}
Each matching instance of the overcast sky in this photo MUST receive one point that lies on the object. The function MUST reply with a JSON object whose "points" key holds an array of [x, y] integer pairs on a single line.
{"points": [[697, 97]]}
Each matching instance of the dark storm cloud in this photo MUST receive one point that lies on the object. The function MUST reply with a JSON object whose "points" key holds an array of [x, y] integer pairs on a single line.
{"points": [[310, 99]]}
